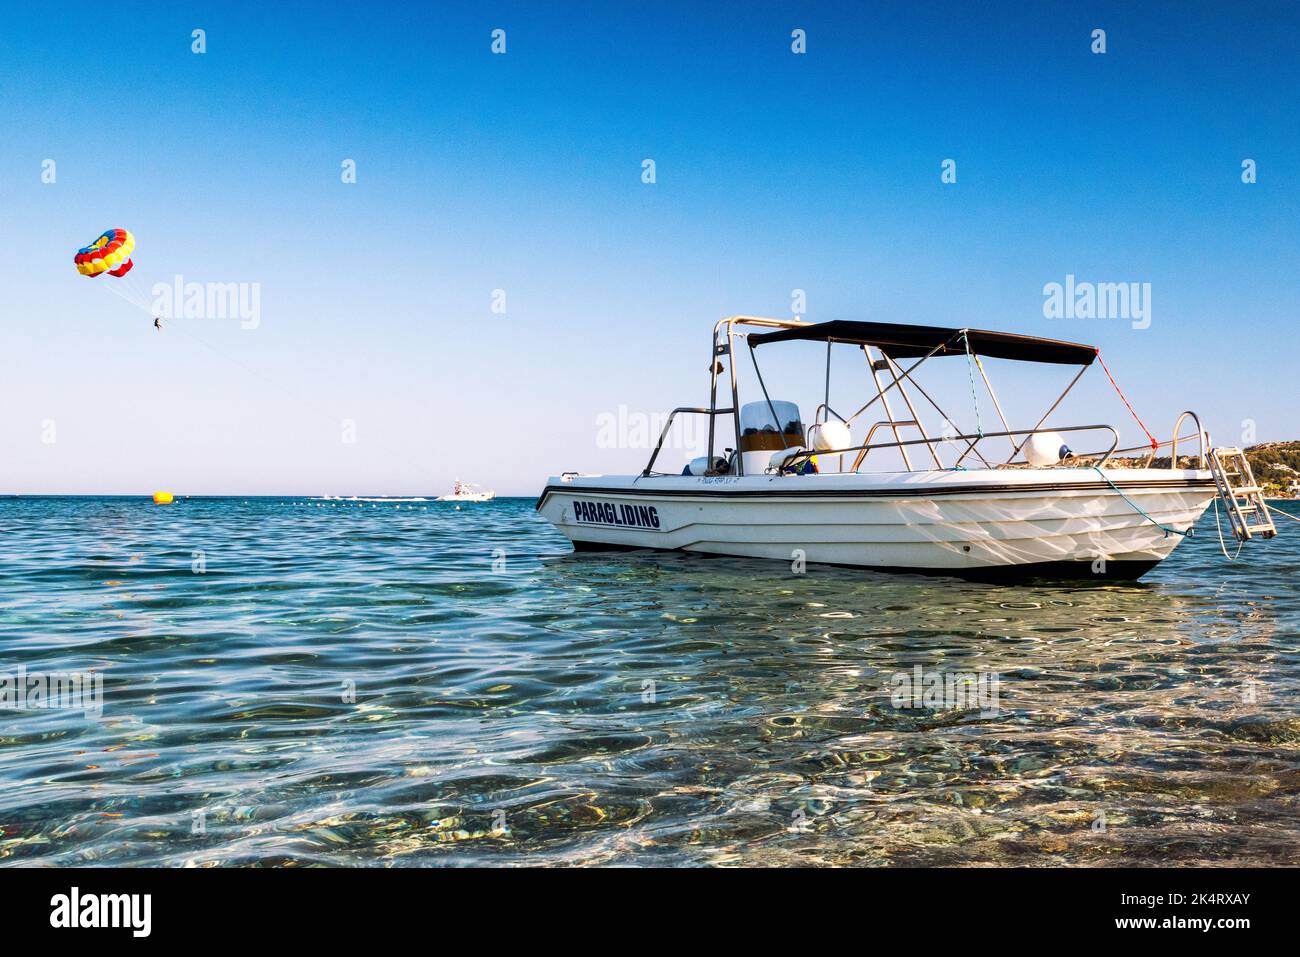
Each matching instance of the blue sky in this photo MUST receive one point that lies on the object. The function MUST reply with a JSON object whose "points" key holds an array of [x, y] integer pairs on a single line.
{"points": [[522, 172]]}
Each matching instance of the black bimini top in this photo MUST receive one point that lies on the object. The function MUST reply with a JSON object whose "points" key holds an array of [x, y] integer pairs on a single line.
{"points": [[903, 341]]}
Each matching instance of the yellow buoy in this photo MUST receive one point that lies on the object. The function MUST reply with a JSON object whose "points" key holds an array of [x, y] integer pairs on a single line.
{"points": [[162, 498]]}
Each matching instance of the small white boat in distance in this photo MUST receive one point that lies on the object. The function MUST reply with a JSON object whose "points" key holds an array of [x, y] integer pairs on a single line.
{"points": [[887, 492], [465, 492]]}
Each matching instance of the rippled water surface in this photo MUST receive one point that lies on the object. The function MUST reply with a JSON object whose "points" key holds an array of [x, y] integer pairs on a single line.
{"points": [[292, 681]]}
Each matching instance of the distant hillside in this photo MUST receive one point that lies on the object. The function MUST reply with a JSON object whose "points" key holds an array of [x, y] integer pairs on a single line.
{"points": [[1276, 466]]}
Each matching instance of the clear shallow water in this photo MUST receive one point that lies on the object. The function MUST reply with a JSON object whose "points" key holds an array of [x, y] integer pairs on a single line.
{"points": [[503, 711]]}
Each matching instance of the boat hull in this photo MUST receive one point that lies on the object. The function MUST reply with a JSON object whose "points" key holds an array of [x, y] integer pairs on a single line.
{"points": [[991, 524]]}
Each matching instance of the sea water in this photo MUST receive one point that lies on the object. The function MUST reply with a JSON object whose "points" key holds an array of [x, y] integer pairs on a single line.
{"points": [[293, 680]]}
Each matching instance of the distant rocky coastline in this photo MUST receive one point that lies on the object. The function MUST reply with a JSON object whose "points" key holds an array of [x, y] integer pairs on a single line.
{"points": [[1276, 466]]}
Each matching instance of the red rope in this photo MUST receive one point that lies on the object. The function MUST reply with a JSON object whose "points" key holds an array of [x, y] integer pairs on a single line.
{"points": [[1154, 443]]}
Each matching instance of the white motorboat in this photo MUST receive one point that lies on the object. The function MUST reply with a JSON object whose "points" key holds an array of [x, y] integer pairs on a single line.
{"points": [[948, 505], [465, 492]]}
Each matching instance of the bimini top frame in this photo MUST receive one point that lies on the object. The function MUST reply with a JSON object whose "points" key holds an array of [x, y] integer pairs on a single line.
{"points": [[893, 341]]}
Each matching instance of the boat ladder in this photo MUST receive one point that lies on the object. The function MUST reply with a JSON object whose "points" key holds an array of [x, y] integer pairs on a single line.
{"points": [[1247, 512]]}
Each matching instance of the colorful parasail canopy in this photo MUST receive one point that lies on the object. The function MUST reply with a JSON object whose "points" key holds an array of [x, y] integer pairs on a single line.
{"points": [[110, 253]]}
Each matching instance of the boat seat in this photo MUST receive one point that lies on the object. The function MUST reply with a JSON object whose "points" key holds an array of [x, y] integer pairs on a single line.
{"points": [[805, 466]]}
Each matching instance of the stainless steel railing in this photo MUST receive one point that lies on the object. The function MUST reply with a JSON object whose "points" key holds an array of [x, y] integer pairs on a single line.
{"points": [[685, 409], [1201, 434], [972, 441]]}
